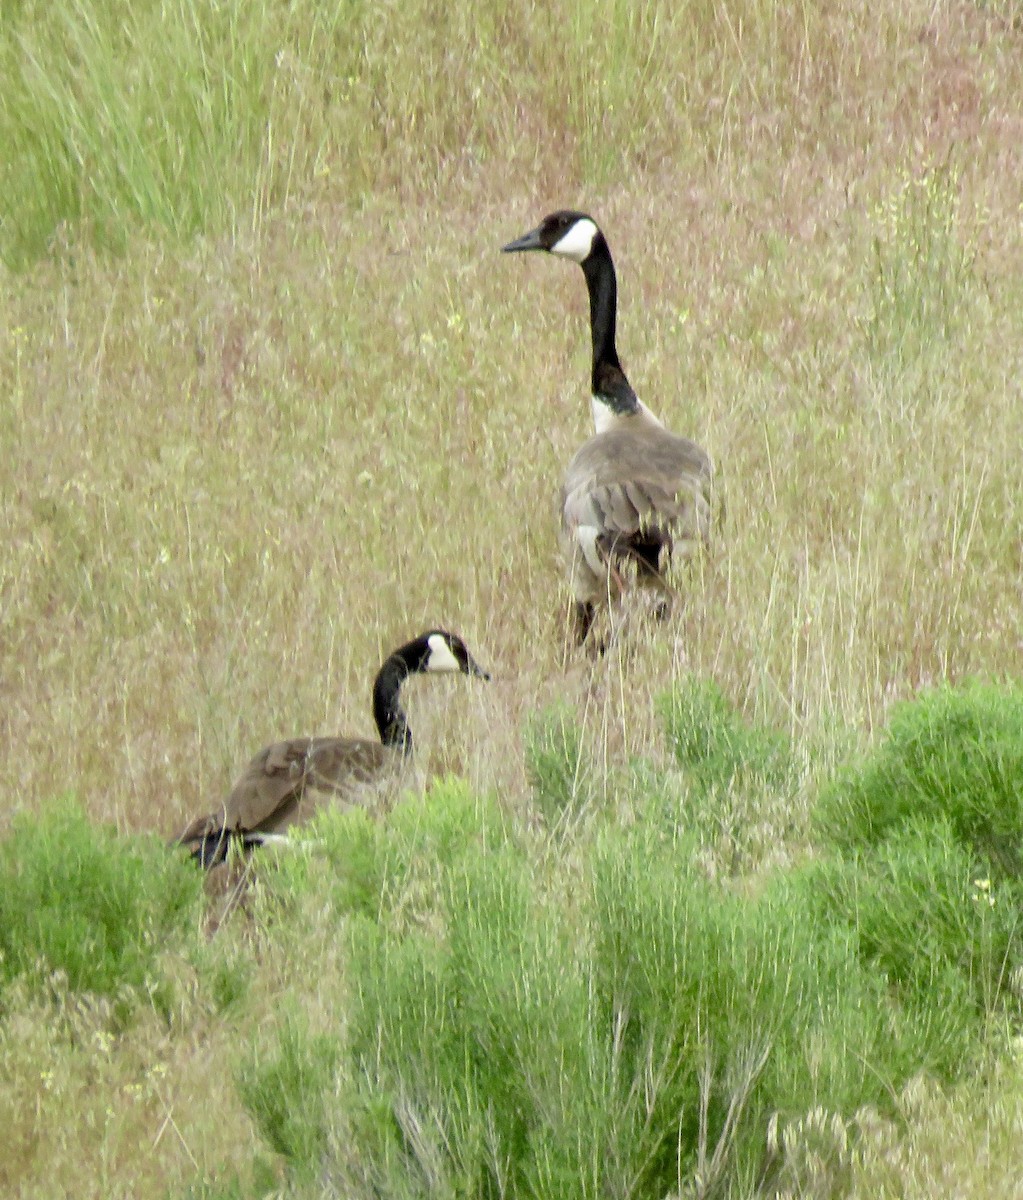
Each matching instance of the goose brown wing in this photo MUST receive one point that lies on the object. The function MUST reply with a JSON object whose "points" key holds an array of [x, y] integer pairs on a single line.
{"points": [[339, 766], [264, 796], [623, 482], [286, 781]]}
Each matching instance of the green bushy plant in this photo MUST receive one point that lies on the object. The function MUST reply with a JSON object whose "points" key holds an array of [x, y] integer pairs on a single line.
{"points": [[477, 1062], [286, 1088], [943, 936], [99, 908], [501, 1041], [952, 755], [727, 1012], [513, 1046], [716, 746], [560, 774], [389, 865]]}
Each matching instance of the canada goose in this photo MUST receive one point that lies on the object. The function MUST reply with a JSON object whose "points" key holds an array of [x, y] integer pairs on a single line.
{"points": [[633, 491], [285, 782]]}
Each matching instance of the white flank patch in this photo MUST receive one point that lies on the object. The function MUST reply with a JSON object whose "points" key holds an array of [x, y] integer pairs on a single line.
{"points": [[578, 242], [441, 658], [586, 539]]}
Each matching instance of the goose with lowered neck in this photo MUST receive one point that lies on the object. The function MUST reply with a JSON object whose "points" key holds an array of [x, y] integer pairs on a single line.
{"points": [[286, 782]]}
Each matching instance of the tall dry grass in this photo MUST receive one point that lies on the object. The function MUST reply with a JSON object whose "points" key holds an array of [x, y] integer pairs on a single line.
{"points": [[306, 408]]}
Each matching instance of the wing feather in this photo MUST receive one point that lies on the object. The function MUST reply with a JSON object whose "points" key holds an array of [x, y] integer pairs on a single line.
{"points": [[287, 781], [627, 483]]}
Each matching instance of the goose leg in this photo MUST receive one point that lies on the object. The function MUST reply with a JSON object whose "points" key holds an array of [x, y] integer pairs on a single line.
{"points": [[584, 615], [663, 593], [651, 561]]}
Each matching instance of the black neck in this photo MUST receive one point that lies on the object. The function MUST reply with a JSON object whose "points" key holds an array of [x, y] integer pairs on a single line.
{"points": [[608, 380], [387, 711]]}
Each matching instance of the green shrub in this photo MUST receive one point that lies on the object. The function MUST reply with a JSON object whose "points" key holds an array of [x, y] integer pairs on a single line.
{"points": [[560, 775], [944, 938], [463, 1044], [504, 1038], [286, 1089], [725, 1012], [337, 857], [79, 899], [952, 755], [519, 1046], [717, 748], [389, 866]]}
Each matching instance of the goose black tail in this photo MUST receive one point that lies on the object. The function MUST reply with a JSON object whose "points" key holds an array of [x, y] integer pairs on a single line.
{"points": [[211, 849]]}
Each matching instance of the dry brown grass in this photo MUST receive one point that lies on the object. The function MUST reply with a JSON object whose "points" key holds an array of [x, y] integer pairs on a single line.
{"points": [[142, 1114], [959, 1144], [235, 475]]}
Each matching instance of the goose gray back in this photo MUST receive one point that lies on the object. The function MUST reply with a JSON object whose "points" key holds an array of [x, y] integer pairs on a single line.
{"points": [[288, 781], [634, 492]]}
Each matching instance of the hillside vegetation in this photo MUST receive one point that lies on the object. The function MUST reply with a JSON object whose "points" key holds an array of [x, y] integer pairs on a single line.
{"points": [[729, 911]]}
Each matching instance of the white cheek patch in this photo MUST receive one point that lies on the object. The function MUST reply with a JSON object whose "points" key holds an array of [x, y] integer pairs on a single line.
{"points": [[577, 243], [441, 657]]}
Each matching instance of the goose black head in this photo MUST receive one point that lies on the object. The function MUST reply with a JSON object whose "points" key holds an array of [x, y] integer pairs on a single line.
{"points": [[566, 233], [443, 652], [432, 652]]}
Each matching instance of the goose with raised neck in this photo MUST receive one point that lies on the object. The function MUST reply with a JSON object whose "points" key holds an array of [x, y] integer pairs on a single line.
{"points": [[634, 491]]}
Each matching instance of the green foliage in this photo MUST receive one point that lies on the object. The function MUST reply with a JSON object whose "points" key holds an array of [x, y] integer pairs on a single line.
{"points": [[390, 867], [951, 756], [928, 829], [452, 1043], [944, 937], [286, 1090], [189, 117], [513, 1045], [79, 900], [718, 749], [725, 1011], [560, 774], [461, 1046]]}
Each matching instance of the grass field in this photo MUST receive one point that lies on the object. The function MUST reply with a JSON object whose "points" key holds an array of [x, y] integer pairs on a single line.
{"points": [[272, 401]]}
